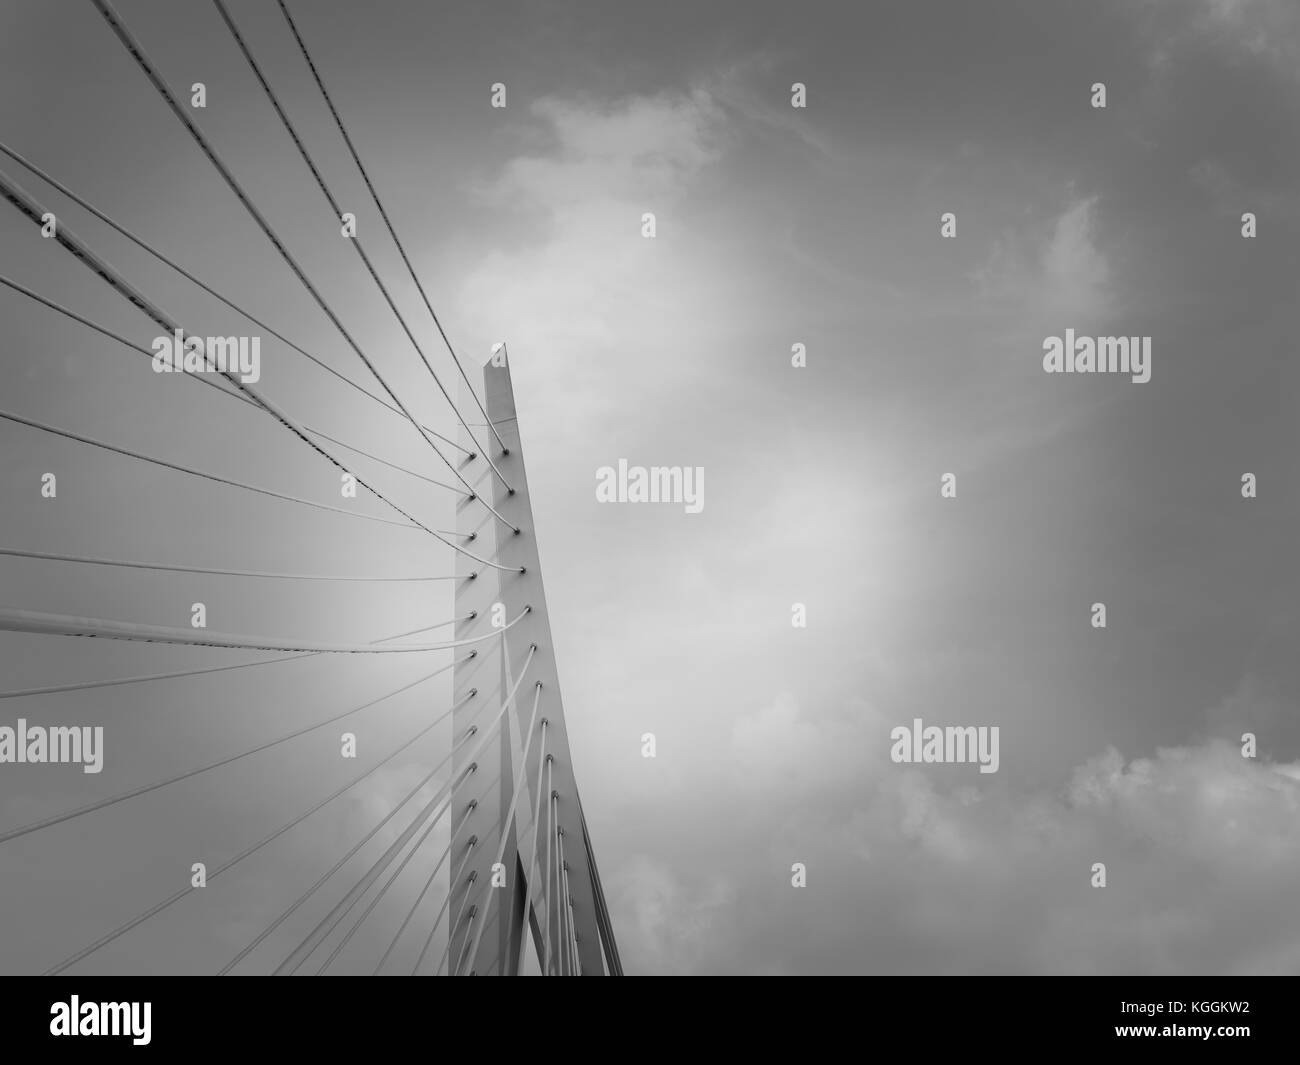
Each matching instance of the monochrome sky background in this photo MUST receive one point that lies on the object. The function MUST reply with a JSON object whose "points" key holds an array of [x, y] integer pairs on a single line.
{"points": [[775, 226]]}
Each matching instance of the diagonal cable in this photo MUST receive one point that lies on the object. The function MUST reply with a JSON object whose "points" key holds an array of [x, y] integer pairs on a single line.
{"points": [[354, 240], [304, 949], [122, 929], [136, 51], [29, 207], [392, 232], [36, 622], [147, 247], [123, 796]]}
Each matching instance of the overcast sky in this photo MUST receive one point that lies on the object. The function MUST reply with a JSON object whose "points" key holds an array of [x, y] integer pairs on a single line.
{"points": [[775, 226]]}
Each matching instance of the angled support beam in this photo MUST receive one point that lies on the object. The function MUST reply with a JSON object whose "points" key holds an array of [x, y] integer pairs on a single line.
{"points": [[501, 909]]}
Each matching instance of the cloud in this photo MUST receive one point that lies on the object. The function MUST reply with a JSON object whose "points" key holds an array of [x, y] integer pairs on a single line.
{"points": [[745, 88], [604, 154], [1193, 839], [662, 139], [589, 290], [1255, 706], [664, 925], [1260, 33], [779, 746], [1062, 273], [1263, 29], [1214, 179], [1229, 195], [924, 871], [1075, 272]]}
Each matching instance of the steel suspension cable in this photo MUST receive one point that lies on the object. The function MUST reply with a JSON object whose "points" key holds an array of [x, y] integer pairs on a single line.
{"points": [[136, 50], [432, 812], [433, 875], [216, 478], [392, 231], [516, 788], [470, 844], [437, 625], [113, 800], [434, 821], [284, 915], [151, 250], [535, 859], [613, 964], [167, 567], [83, 685], [35, 622], [159, 907], [550, 895], [323, 928], [354, 240], [29, 207], [391, 465], [570, 941], [469, 919], [464, 951], [218, 383]]}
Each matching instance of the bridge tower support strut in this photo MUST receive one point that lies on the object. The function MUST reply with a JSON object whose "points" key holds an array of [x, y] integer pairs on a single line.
{"points": [[500, 911]]}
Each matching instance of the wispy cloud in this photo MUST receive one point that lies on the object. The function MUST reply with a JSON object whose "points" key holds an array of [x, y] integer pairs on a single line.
{"points": [[1264, 29], [1058, 270], [668, 926], [589, 293], [934, 876]]}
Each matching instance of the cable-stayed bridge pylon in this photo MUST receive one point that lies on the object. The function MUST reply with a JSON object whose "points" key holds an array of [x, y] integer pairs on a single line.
{"points": [[530, 871], [518, 866]]}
